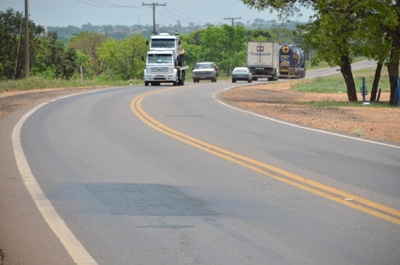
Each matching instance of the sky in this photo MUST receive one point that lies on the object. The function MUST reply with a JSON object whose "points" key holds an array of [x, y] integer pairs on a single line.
{"points": [[63, 13]]}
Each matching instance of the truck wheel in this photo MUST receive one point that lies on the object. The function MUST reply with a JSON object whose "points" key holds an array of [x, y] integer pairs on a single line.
{"points": [[233, 81], [249, 81], [146, 83], [181, 82]]}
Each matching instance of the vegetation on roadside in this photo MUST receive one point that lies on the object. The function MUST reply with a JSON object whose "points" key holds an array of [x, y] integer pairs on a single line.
{"points": [[329, 103], [336, 84], [38, 82]]}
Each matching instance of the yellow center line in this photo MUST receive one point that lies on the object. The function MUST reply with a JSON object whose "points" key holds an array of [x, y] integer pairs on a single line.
{"points": [[339, 196]]}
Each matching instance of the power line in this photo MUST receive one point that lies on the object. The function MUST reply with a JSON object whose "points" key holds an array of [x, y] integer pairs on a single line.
{"points": [[232, 18], [182, 15], [154, 14], [175, 14], [104, 3], [180, 18]]}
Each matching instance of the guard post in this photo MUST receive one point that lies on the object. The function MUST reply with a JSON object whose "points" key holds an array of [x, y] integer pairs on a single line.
{"points": [[364, 90], [398, 91]]}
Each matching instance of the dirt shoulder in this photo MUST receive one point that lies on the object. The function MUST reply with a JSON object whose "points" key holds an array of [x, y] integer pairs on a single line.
{"points": [[274, 99], [277, 100], [11, 101]]}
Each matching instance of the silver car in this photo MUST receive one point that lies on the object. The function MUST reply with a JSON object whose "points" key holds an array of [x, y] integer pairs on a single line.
{"points": [[242, 74]]}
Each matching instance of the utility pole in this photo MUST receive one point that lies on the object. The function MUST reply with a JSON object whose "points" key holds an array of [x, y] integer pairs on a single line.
{"points": [[154, 14], [26, 40], [232, 18]]}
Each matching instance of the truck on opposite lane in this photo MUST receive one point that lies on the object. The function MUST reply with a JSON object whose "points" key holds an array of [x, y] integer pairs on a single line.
{"points": [[165, 61]]}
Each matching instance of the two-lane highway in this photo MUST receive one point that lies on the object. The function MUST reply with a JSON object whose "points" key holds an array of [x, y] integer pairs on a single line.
{"points": [[172, 175]]}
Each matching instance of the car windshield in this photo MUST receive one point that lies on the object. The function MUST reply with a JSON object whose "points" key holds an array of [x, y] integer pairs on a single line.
{"points": [[159, 58], [203, 65], [162, 43], [241, 70]]}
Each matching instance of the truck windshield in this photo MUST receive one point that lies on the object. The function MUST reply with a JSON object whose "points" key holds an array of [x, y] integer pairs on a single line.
{"points": [[162, 43], [159, 58]]}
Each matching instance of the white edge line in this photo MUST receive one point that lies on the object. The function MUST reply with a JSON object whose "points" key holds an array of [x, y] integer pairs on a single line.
{"points": [[295, 125], [75, 249]]}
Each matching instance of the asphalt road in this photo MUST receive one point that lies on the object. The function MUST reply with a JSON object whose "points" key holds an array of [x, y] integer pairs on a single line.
{"points": [[172, 175]]}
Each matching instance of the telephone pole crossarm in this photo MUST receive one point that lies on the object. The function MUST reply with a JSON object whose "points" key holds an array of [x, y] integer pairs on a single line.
{"points": [[154, 14], [232, 18]]}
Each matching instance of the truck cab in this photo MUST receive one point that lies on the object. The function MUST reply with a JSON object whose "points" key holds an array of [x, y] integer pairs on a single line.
{"points": [[164, 62], [167, 42]]}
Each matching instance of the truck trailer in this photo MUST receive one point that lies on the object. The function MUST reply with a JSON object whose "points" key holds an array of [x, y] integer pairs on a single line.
{"points": [[263, 60], [292, 62]]}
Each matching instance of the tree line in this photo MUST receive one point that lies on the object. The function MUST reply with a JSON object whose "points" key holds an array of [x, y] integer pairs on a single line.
{"points": [[121, 31], [104, 57]]}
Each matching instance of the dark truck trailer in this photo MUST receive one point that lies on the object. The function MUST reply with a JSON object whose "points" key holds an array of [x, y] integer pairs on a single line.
{"points": [[292, 62]]}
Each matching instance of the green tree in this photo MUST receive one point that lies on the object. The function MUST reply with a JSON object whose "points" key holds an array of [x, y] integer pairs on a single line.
{"points": [[87, 43], [55, 60], [332, 35], [282, 35], [226, 46], [192, 46], [85, 62], [65, 33], [286, 8], [374, 41], [258, 35], [386, 16], [123, 59], [12, 39]]}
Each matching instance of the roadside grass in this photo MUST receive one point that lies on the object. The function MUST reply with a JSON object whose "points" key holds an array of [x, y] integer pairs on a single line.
{"points": [[327, 103], [37, 82], [335, 83], [358, 132], [325, 64]]}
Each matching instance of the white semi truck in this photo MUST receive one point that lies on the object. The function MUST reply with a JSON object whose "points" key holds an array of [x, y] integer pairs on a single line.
{"points": [[164, 62], [263, 59]]}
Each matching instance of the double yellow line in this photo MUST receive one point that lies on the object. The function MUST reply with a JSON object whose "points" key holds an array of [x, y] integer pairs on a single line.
{"points": [[339, 196]]}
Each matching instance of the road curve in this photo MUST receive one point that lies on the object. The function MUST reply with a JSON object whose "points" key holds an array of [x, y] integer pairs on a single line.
{"points": [[176, 177]]}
